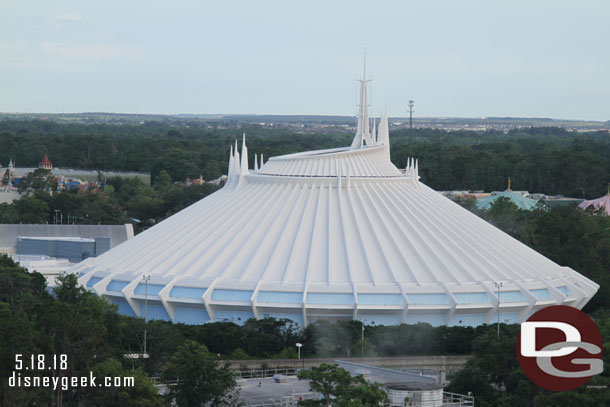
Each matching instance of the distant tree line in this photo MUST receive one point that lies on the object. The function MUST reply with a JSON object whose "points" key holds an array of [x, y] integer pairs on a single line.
{"points": [[182, 151], [549, 160]]}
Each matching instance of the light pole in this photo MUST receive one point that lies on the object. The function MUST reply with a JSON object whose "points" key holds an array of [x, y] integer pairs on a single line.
{"points": [[411, 104], [498, 285], [362, 342], [145, 277], [299, 346]]}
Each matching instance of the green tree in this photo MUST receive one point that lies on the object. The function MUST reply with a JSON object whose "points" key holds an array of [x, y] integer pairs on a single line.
{"points": [[364, 348], [211, 170], [80, 325], [142, 394], [8, 213], [268, 336], [505, 215], [219, 337], [32, 210], [339, 388], [201, 382], [492, 366], [238, 354], [162, 181], [324, 348]]}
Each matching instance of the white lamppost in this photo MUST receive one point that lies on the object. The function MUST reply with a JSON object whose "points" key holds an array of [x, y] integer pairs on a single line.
{"points": [[299, 346], [498, 285], [145, 277]]}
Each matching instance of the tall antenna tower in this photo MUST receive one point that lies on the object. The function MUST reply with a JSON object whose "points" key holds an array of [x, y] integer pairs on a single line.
{"points": [[411, 104]]}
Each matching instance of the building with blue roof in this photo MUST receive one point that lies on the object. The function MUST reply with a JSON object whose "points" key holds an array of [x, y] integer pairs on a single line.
{"points": [[518, 199]]}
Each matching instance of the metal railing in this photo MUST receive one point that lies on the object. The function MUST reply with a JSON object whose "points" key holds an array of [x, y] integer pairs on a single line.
{"points": [[261, 374], [457, 400]]}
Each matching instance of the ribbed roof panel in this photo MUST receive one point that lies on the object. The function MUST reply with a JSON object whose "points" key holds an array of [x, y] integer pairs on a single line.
{"points": [[295, 226]]}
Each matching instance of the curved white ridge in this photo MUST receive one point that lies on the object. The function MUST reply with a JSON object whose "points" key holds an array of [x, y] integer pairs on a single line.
{"points": [[330, 234], [365, 162]]}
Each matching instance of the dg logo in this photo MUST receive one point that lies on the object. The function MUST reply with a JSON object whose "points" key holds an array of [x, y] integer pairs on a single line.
{"points": [[560, 348]]}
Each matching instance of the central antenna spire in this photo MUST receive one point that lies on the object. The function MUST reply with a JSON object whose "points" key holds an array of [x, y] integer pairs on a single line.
{"points": [[364, 66], [363, 134]]}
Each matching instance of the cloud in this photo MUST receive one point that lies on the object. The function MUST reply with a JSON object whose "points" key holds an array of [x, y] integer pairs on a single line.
{"points": [[68, 17], [91, 51]]}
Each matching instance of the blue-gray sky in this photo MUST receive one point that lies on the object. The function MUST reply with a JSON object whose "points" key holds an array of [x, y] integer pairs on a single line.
{"points": [[455, 58]]}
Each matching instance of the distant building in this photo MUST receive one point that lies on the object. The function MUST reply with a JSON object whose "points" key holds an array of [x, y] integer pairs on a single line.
{"points": [[66, 178], [518, 199], [9, 173], [46, 163], [8, 183], [53, 249], [601, 202]]}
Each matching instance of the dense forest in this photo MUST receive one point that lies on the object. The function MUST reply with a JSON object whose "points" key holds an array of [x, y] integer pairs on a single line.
{"points": [[547, 160], [72, 321]]}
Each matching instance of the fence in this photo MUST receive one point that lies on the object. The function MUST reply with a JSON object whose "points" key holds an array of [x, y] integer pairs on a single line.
{"points": [[261, 374], [287, 401]]}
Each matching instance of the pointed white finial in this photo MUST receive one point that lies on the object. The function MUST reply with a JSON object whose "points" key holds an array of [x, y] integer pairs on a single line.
{"points": [[230, 170], [236, 168], [255, 163], [261, 159], [383, 133], [244, 156]]}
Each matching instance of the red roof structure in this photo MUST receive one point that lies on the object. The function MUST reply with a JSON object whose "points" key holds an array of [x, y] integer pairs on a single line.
{"points": [[46, 163]]}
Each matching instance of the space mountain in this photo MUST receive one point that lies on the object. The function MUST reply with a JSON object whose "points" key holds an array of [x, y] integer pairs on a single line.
{"points": [[333, 234]]}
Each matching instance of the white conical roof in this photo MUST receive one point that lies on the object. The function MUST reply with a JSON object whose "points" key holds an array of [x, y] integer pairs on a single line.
{"points": [[330, 234]]}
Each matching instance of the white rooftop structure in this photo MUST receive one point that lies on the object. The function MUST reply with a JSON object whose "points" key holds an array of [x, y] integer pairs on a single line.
{"points": [[330, 234], [50, 267]]}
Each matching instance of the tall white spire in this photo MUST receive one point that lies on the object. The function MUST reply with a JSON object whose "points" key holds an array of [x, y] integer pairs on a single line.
{"points": [[383, 133], [236, 169], [230, 171], [244, 157], [255, 163], [363, 132]]}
